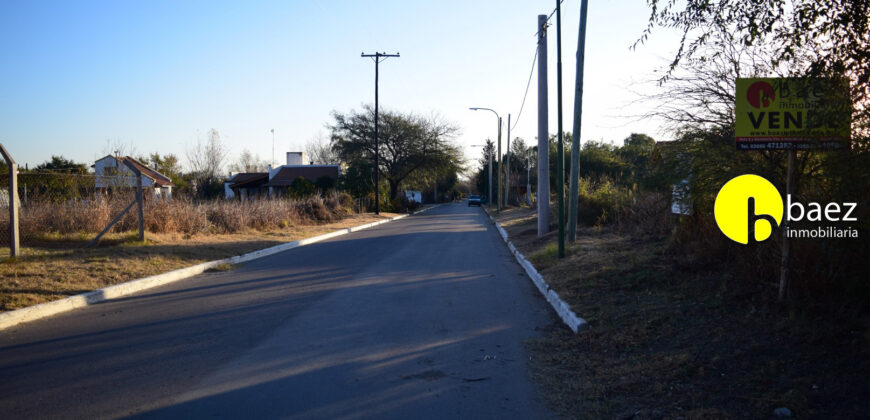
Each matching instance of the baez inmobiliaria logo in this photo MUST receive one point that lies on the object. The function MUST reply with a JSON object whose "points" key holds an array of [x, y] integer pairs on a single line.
{"points": [[748, 208]]}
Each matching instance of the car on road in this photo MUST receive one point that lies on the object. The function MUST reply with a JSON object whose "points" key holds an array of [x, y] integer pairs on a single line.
{"points": [[474, 200]]}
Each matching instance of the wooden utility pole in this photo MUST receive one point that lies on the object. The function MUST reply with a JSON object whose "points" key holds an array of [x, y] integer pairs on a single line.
{"points": [[560, 153], [377, 58], [573, 184], [543, 134]]}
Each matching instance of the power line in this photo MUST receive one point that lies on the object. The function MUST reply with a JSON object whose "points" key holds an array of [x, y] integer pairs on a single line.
{"points": [[529, 83]]}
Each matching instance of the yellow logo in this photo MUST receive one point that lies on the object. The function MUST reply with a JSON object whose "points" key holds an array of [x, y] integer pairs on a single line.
{"points": [[747, 208]]}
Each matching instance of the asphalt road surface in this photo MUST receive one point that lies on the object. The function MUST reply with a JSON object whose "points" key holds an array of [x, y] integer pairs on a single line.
{"points": [[423, 317]]}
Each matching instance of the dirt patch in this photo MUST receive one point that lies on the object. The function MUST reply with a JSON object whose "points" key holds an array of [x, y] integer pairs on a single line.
{"points": [[668, 338]]}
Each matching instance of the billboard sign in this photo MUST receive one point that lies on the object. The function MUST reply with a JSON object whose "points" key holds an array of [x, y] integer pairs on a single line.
{"points": [[792, 113]]}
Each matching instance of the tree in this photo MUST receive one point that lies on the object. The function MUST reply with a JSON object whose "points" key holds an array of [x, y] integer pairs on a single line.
{"points": [[482, 183], [320, 152], [301, 188], [62, 165], [206, 160], [818, 37], [249, 162], [325, 183], [408, 144]]}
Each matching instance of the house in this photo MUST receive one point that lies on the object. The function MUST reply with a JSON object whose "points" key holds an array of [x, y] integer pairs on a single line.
{"points": [[247, 185], [278, 179], [414, 196], [111, 171]]}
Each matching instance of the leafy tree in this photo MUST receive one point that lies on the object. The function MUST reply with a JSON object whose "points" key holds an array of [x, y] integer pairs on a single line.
{"points": [[63, 165], [408, 144], [301, 188], [325, 183]]}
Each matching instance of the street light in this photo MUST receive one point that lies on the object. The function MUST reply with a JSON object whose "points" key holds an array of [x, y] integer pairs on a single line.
{"points": [[498, 117], [489, 198]]}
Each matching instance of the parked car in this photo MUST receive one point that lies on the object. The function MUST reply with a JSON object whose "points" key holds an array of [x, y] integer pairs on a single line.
{"points": [[474, 200]]}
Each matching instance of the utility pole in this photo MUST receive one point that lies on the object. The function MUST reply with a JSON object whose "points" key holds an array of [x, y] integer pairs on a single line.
{"points": [[489, 198], [543, 135], [500, 194], [573, 186], [273, 148], [377, 59], [507, 164], [560, 172]]}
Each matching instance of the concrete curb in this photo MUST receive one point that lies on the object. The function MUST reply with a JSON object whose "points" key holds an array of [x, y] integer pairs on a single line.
{"points": [[44, 310], [574, 322]]}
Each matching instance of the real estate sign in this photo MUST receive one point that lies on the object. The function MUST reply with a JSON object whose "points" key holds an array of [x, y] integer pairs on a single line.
{"points": [[792, 113]]}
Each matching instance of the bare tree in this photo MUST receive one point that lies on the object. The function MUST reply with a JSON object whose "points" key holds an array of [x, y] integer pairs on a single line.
{"points": [[320, 151], [206, 162], [249, 162], [118, 147]]}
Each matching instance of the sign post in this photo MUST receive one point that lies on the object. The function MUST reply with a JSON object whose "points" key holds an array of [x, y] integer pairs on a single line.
{"points": [[792, 114]]}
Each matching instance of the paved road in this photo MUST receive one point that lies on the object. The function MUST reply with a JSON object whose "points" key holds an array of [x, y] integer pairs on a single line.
{"points": [[423, 317]]}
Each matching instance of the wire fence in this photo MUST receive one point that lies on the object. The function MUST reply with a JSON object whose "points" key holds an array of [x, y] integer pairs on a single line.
{"points": [[52, 204], [63, 209]]}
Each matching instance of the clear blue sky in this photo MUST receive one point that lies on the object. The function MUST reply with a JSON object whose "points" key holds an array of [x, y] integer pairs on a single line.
{"points": [[160, 74]]}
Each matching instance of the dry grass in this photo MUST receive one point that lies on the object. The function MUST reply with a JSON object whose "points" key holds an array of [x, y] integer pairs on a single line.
{"points": [[61, 266], [671, 338], [40, 219]]}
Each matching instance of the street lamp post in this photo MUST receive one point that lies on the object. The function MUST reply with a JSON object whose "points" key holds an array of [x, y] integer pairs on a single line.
{"points": [[498, 204], [489, 198]]}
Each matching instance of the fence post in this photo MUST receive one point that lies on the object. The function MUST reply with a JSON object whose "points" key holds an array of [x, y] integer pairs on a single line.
{"points": [[13, 203], [139, 199]]}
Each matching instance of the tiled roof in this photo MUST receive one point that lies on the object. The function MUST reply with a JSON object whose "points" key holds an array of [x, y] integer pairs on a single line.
{"points": [[286, 175], [248, 179]]}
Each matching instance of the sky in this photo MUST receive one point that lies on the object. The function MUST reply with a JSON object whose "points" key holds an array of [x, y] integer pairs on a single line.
{"points": [[158, 75]]}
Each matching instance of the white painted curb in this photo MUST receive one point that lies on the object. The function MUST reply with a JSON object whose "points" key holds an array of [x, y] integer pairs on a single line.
{"points": [[561, 307], [43, 310]]}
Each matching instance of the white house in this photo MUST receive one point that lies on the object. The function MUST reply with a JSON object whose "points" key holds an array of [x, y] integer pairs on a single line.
{"points": [[414, 196], [111, 171]]}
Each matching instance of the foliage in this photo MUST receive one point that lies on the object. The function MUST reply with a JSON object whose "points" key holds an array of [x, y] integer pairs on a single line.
{"points": [[409, 144], [325, 183], [301, 188], [60, 164]]}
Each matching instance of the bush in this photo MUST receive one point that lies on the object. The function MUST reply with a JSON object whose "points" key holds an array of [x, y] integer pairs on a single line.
{"points": [[301, 188]]}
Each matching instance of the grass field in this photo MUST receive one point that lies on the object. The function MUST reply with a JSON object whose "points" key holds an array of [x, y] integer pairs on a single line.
{"points": [[669, 338], [60, 265]]}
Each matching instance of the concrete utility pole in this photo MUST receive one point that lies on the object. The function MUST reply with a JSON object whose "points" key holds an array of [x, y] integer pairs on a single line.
{"points": [[500, 194], [507, 164], [377, 59], [560, 152], [543, 135], [573, 186]]}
